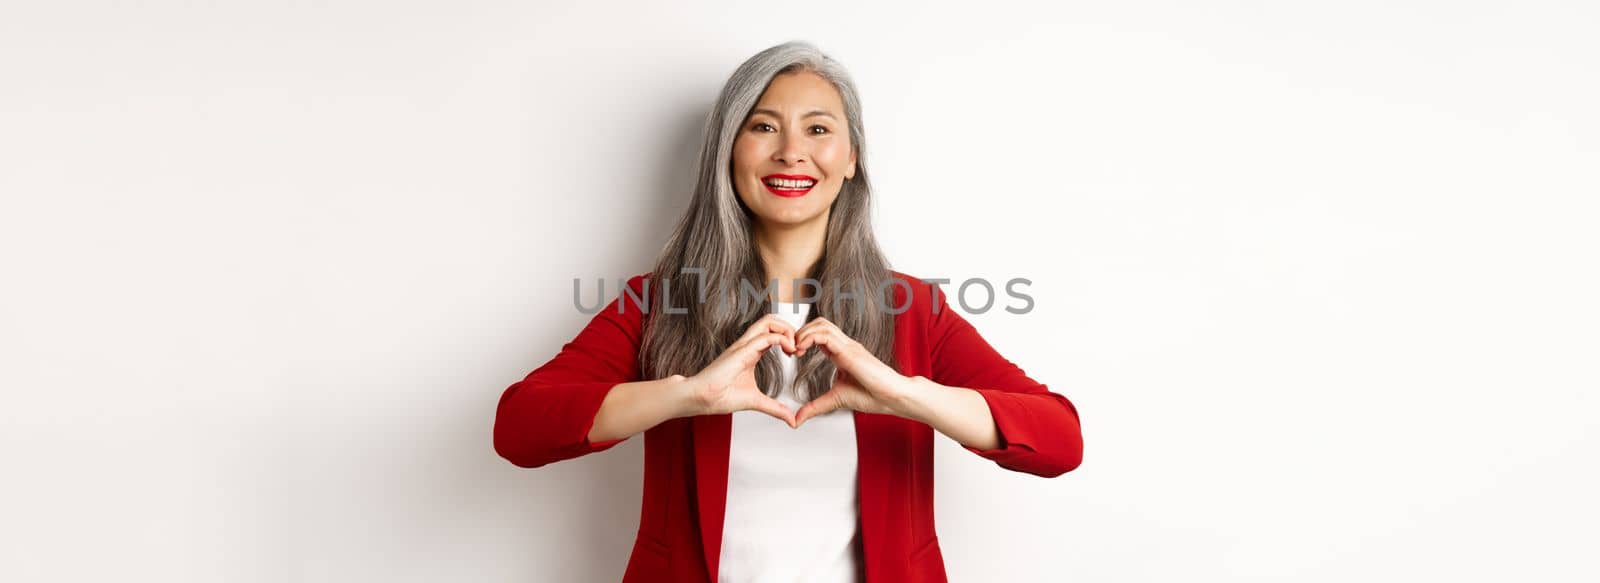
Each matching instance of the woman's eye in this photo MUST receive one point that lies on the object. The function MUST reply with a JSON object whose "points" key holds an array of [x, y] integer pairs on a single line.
{"points": [[762, 126]]}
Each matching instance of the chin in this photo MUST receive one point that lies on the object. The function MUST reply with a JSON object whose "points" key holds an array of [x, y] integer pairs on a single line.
{"points": [[789, 221], [791, 218]]}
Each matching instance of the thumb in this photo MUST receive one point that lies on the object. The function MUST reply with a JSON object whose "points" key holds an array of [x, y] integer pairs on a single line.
{"points": [[821, 405], [776, 409]]}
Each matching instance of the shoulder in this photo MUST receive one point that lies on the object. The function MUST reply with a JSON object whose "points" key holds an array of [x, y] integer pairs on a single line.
{"points": [[921, 298], [629, 305], [638, 281]]}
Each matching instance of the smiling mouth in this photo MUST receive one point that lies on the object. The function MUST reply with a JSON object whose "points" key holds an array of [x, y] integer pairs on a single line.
{"points": [[789, 187]]}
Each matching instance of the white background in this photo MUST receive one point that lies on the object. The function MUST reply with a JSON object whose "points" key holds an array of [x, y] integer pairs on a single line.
{"points": [[1320, 277]]}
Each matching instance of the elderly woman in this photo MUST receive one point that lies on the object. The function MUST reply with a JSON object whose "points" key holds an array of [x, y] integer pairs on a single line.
{"points": [[788, 436]]}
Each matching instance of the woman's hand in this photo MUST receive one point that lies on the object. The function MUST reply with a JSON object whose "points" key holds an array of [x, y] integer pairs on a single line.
{"points": [[728, 384], [863, 384]]}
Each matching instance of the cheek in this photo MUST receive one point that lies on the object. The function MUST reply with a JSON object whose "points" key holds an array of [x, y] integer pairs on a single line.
{"points": [[741, 156], [742, 169], [834, 157], [747, 152]]}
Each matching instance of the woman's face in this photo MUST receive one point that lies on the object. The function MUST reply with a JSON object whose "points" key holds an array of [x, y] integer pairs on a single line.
{"points": [[793, 154]]}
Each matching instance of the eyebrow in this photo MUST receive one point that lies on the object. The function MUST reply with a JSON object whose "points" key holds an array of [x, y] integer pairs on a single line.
{"points": [[814, 112]]}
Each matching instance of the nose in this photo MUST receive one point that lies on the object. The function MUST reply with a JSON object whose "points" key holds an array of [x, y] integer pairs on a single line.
{"points": [[790, 149]]}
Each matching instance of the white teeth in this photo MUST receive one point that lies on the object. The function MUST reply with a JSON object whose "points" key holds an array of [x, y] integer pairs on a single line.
{"points": [[782, 183]]}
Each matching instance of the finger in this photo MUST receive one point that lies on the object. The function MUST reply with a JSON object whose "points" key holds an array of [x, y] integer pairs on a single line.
{"points": [[750, 352], [776, 409], [817, 323], [755, 345], [814, 327], [837, 347], [788, 343], [822, 405], [806, 339], [770, 323]]}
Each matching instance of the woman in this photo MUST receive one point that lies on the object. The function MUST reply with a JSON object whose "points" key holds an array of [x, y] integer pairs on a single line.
{"points": [[843, 488]]}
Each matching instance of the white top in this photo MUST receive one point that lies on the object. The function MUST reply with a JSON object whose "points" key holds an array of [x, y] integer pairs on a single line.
{"points": [[792, 499]]}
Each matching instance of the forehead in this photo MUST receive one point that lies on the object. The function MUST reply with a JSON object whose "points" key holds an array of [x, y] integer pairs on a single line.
{"points": [[799, 92]]}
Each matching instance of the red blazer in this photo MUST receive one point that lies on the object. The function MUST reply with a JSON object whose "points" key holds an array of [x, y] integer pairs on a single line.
{"points": [[547, 416]]}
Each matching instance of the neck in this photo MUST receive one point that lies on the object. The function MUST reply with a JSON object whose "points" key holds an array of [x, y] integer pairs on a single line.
{"points": [[788, 253]]}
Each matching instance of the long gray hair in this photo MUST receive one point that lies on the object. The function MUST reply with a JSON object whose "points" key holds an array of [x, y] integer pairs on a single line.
{"points": [[716, 235]]}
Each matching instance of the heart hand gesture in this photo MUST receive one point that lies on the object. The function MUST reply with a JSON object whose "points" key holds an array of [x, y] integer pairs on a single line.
{"points": [[863, 384], [728, 384]]}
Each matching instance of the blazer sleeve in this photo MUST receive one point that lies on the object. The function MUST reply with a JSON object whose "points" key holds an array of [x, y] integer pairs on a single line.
{"points": [[1039, 431], [546, 417]]}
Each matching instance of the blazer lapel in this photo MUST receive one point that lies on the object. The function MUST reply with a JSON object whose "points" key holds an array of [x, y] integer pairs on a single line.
{"points": [[711, 440], [874, 459]]}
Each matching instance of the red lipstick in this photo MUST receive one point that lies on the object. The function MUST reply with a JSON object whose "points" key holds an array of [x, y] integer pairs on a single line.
{"points": [[788, 188]]}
